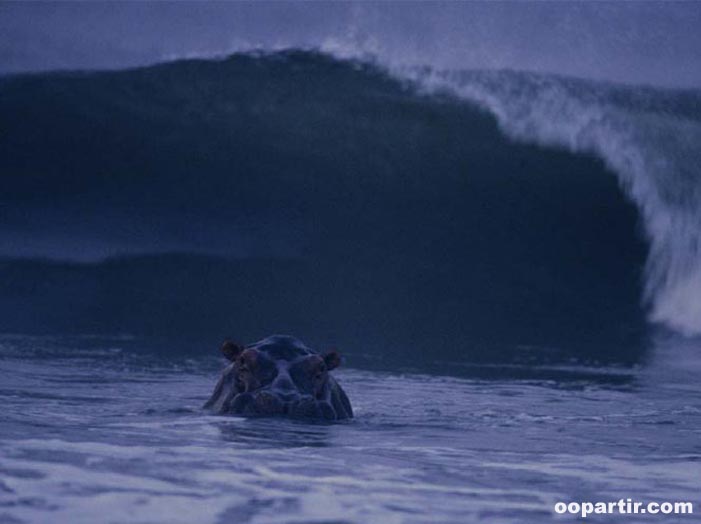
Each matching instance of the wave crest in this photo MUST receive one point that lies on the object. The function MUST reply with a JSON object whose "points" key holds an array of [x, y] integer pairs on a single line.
{"points": [[647, 137]]}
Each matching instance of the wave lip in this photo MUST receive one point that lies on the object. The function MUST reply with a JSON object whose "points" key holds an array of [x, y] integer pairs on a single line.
{"points": [[649, 138]]}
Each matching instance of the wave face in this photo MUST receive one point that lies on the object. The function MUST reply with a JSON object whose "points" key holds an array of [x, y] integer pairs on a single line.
{"points": [[342, 201]]}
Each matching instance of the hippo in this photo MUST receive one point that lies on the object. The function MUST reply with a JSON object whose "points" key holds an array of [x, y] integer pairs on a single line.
{"points": [[279, 375]]}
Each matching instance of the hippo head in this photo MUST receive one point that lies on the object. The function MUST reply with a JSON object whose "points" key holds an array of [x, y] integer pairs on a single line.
{"points": [[279, 376]]}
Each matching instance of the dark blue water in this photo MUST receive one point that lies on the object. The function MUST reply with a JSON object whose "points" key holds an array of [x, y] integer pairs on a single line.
{"points": [[92, 432]]}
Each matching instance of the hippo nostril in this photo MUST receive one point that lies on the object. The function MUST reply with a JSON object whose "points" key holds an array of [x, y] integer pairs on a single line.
{"points": [[287, 397]]}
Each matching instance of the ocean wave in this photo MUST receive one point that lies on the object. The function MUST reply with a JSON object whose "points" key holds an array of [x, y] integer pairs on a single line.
{"points": [[330, 197]]}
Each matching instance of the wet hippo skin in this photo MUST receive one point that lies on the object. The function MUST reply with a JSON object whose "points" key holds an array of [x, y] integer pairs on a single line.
{"points": [[279, 375]]}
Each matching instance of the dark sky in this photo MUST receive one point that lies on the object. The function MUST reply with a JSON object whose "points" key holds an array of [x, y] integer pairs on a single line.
{"points": [[637, 42]]}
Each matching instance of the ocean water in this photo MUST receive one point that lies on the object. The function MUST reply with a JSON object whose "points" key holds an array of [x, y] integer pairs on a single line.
{"points": [[509, 261], [92, 431]]}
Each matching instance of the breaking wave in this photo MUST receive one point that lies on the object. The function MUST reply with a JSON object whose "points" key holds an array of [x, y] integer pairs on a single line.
{"points": [[340, 199]]}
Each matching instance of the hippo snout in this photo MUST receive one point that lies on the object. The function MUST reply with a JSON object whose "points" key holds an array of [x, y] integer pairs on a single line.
{"points": [[267, 403], [313, 409], [258, 403]]}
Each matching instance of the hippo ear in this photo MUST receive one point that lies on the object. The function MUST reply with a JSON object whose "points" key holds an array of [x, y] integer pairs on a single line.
{"points": [[231, 350], [332, 359]]}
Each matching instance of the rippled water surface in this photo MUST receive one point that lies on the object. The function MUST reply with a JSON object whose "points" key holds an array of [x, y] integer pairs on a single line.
{"points": [[92, 433]]}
